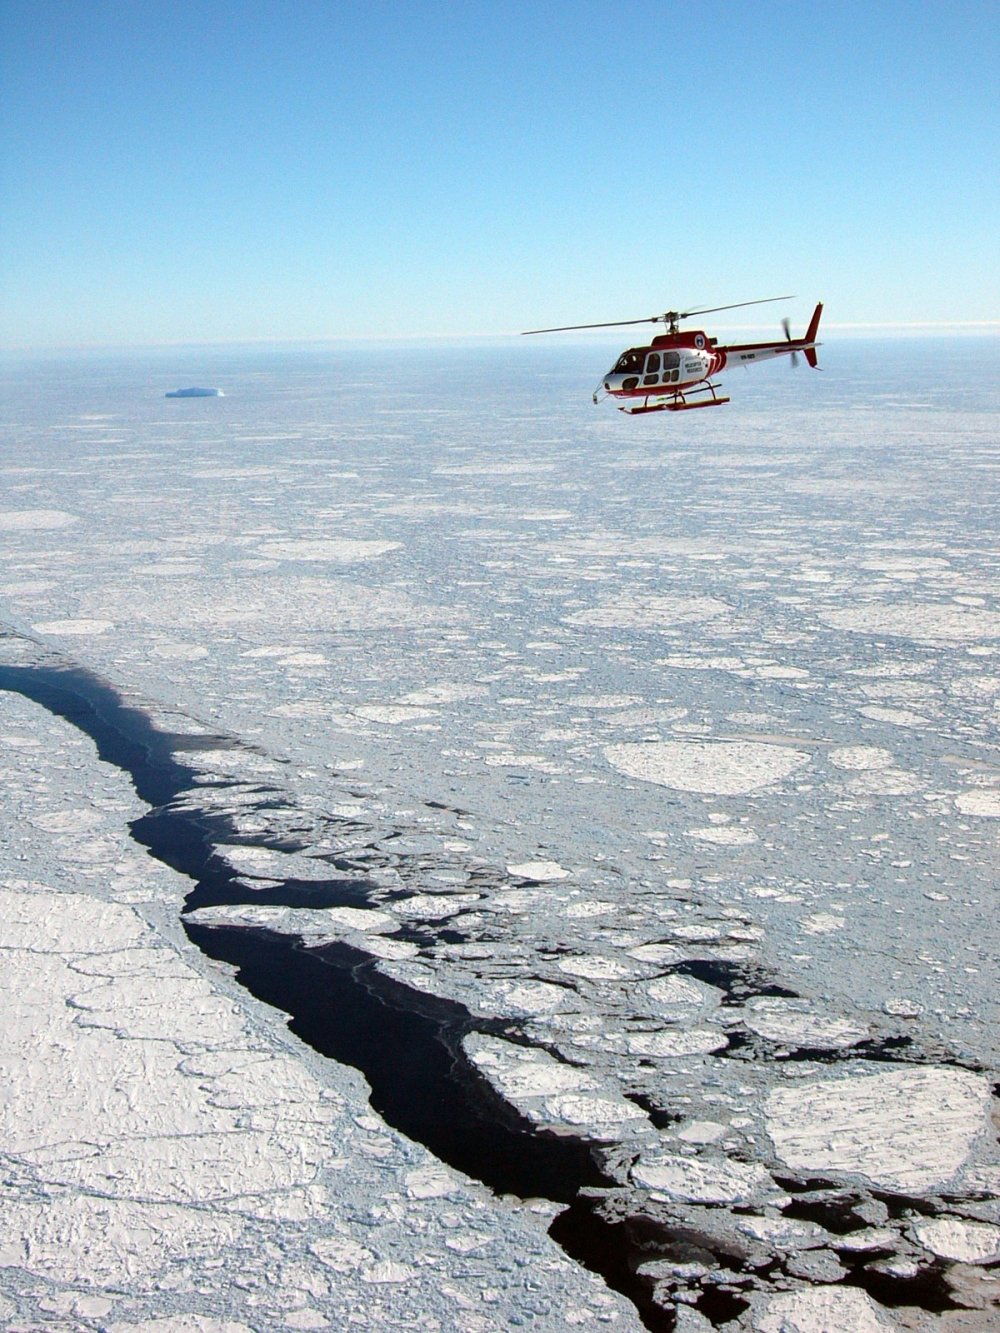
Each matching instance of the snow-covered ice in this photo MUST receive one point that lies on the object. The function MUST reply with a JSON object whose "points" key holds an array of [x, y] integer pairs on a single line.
{"points": [[659, 758], [903, 1129], [728, 768]]}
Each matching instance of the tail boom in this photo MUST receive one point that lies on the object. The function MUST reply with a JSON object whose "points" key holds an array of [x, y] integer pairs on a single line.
{"points": [[746, 353]]}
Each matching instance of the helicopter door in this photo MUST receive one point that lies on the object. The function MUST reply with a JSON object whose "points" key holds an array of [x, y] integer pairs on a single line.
{"points": [[662, 368]]}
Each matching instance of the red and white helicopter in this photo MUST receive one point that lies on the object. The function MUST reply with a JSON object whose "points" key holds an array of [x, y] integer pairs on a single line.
{"points": [[673, 372]]}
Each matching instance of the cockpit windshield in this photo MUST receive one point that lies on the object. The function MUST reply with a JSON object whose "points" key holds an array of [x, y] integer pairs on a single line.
{"points": [[629, 362]]}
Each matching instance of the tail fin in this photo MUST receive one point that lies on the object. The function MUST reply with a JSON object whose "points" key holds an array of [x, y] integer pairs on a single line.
{"points": [[813, 329]]}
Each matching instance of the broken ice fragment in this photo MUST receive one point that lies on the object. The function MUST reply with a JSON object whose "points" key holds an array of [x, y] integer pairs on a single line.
{"points": [[594, 968], [905, 1129], [542, 872], [722, 768], [793, 1024], [819, 1310], [577, 1109], [518, 1072], [966, 1242], [985, 804], [860, 757], [698, 1180]]}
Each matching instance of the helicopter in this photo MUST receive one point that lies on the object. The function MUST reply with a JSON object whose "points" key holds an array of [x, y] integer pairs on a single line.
{"points": [[673, 372]]}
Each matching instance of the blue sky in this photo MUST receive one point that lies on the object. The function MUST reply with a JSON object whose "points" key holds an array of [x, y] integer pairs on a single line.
{"points": [[290, 169]]}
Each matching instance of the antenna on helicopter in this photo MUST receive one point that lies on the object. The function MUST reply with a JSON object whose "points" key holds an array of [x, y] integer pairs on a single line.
{"points": [[671, 317]]}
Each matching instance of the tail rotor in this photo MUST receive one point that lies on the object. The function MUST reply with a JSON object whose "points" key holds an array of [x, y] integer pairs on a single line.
{"points": [[787, 326]]}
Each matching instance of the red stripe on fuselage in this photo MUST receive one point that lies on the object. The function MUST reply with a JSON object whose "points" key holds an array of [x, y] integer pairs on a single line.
{"points": [[794, 345]]}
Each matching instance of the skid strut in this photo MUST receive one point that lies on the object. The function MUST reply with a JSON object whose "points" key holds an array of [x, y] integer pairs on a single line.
{"points": [[678, 402]]}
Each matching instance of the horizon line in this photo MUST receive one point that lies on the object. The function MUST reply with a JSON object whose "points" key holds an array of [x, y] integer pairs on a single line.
{"points": [[986, 325]]}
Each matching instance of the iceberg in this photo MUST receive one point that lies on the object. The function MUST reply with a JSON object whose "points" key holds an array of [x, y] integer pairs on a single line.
{"points": [[195, 393]]}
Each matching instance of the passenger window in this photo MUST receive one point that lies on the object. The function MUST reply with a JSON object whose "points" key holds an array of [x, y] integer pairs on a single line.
{"points": [[671, 360], [650, 379], [652, 362]]}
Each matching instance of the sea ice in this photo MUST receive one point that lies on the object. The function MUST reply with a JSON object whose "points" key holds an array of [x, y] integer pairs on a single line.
{"points": [[542, 872], [984, 803], [679, 992], [69, 628], [591, 1114], [930, 622], [900, 1129], [697, 1180], [860, 757], [953, 1238], [169, 1129], [795, 1024], [393, 714], [650, 612], [337, 550], [550, 1092], [519, 1072], [35, 520], [461, 597], [671, 1043], [722, 768], [820, 1310], [724, 837]]}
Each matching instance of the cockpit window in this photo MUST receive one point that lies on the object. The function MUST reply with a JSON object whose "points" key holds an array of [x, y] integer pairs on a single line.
{"points": [[628, 361]]}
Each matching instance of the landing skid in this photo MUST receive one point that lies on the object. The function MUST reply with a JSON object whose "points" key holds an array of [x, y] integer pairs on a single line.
{"points": [[678, 402]]}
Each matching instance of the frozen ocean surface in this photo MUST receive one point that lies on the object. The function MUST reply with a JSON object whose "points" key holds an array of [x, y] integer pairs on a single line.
{"points": [[657, 758]]}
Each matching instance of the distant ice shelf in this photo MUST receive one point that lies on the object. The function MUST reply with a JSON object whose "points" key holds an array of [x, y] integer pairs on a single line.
{"points": [[194, 392]]}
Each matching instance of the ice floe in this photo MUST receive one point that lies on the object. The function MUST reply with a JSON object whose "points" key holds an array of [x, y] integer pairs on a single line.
{"points": [[860, 757], [68, 628], [336, 550], [551, 1093], [650, 612], [820, 1310], [721, 768], [924, 621], [702, 1180], [393, 715], [965, 1242], [795, 1023], [723, 836], [904, 1129], [35, 520], [541, 872], [984, 803]]}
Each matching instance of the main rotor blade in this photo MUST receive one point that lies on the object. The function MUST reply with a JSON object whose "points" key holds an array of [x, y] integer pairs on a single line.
{"points": [[612, 324], [669, 317], [738, 306]]}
